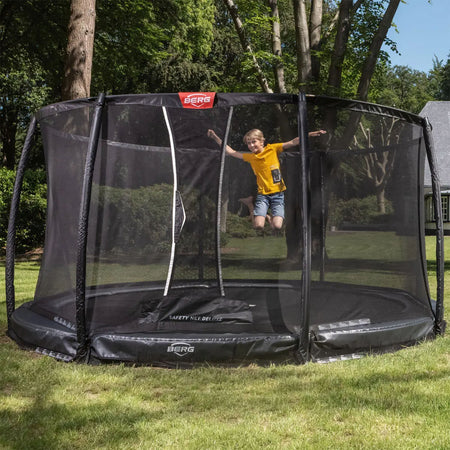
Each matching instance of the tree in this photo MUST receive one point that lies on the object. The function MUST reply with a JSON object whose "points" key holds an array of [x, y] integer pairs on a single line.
{"points": [[443, 73], [29, 66], [304, 65], [340, 46], [335, 45], [277, 47], [375, 47], [378, 166], [79, 52], [22, 91], [247, 47], [402, 88], [158, 45]]}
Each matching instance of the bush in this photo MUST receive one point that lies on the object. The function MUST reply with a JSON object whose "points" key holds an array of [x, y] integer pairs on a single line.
{"points": [[137, 207], [140, 220], [358, 211], [239, 227], [30, 223]]}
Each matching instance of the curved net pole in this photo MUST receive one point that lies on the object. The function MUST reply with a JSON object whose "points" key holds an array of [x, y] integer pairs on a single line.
{"points": [[175, 196], [219, 205], [80, 288], [11, 239], [303, 351], [436, 188]]}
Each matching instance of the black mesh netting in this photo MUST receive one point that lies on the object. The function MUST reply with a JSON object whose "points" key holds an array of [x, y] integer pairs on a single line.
{"points": [[163, 254]]}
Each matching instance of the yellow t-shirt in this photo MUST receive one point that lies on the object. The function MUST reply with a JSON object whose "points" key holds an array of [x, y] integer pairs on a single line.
{"points": [[266, 167]]}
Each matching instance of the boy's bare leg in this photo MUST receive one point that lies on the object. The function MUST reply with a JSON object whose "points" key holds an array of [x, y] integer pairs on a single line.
{"points": [[248, 202], [258, 222], [276, 223]]}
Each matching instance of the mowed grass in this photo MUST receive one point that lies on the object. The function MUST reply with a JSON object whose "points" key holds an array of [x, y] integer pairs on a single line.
{"points": [[393, 401], [362, 257]]}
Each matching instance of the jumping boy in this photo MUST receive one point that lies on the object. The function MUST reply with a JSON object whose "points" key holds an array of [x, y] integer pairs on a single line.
{"points": [[266, 166]]}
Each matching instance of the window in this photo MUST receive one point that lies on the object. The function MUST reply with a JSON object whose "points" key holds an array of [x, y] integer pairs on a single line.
{"points": [[445, 208], [429, 208]]}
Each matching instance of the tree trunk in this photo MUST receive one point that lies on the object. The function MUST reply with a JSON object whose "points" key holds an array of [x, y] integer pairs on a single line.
{"points": [[276, 47], [340, 46], [79, 53], [381, 200], [8, 137], [374, 51], [315, 37], [303, 44]]}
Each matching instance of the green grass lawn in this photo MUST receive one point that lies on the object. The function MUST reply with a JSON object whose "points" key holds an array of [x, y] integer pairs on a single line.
{"points": [[398, 400]]}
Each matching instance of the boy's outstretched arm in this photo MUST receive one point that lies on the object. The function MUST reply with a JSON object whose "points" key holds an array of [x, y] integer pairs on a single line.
{"points": [[212, 134], [316, 133], [294, 142]]}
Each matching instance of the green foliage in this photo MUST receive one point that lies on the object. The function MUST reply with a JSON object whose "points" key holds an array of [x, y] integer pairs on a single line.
{"points": [[402, 87], [30, 65], [443, 72], [150, 34], [23, 89], [30, 223], [240, 227], [140, 220], [143, 214], [132, 40], [358, 211]]}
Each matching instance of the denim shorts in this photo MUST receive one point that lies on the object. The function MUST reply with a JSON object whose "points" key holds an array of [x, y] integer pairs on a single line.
{"points": [[273, 201]]}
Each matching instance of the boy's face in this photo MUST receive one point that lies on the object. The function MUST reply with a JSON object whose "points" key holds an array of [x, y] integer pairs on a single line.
{"points": [[255, 145]]}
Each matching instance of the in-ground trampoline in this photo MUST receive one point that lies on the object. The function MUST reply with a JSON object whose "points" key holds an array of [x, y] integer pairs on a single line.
{"points": [[150, 256]]}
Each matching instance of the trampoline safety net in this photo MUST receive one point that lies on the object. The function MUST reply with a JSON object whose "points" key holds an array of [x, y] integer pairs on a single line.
{"points": [[175, 274]]}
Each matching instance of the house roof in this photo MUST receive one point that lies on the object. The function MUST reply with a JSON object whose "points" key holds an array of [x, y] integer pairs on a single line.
{"points": [[438, 114]]}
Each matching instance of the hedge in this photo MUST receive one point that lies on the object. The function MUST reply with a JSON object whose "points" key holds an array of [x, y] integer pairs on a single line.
{"points": [[30, 225]]}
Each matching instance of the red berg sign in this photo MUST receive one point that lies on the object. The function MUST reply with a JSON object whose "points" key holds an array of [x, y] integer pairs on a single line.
{"points": [[197, 100]]}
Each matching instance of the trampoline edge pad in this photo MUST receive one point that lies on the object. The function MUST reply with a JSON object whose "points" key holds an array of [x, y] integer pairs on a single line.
{"points": [[172, 350], [368, 338]]}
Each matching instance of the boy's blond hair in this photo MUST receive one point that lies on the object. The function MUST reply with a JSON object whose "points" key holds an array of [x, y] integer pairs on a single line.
{"points": [[253, 134]]}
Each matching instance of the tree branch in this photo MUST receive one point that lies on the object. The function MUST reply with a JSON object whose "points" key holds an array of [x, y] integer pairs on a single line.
{"points": [[276, 46], [340, 46], [374, 50], [232, 9]]}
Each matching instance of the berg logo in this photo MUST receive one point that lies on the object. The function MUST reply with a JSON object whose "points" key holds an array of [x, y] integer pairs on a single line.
{"points": [[197, 100], [180, 348]]}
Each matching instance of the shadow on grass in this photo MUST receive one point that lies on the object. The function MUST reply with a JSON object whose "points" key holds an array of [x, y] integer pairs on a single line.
{"points": [[375, 265], [432, 265], [331, 265]]}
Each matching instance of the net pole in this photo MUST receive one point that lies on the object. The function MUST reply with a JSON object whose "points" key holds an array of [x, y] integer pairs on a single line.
{"points": [[305, 198], [83, 222], [11, 238], [436, 190], [322, 215], [174, 206], [219, 205]]}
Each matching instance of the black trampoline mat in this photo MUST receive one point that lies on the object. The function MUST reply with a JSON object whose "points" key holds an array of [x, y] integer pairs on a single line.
{"points": [[245, 308]]}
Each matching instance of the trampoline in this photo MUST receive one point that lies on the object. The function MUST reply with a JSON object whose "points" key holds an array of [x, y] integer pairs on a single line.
{"points": [[150, 256]]}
